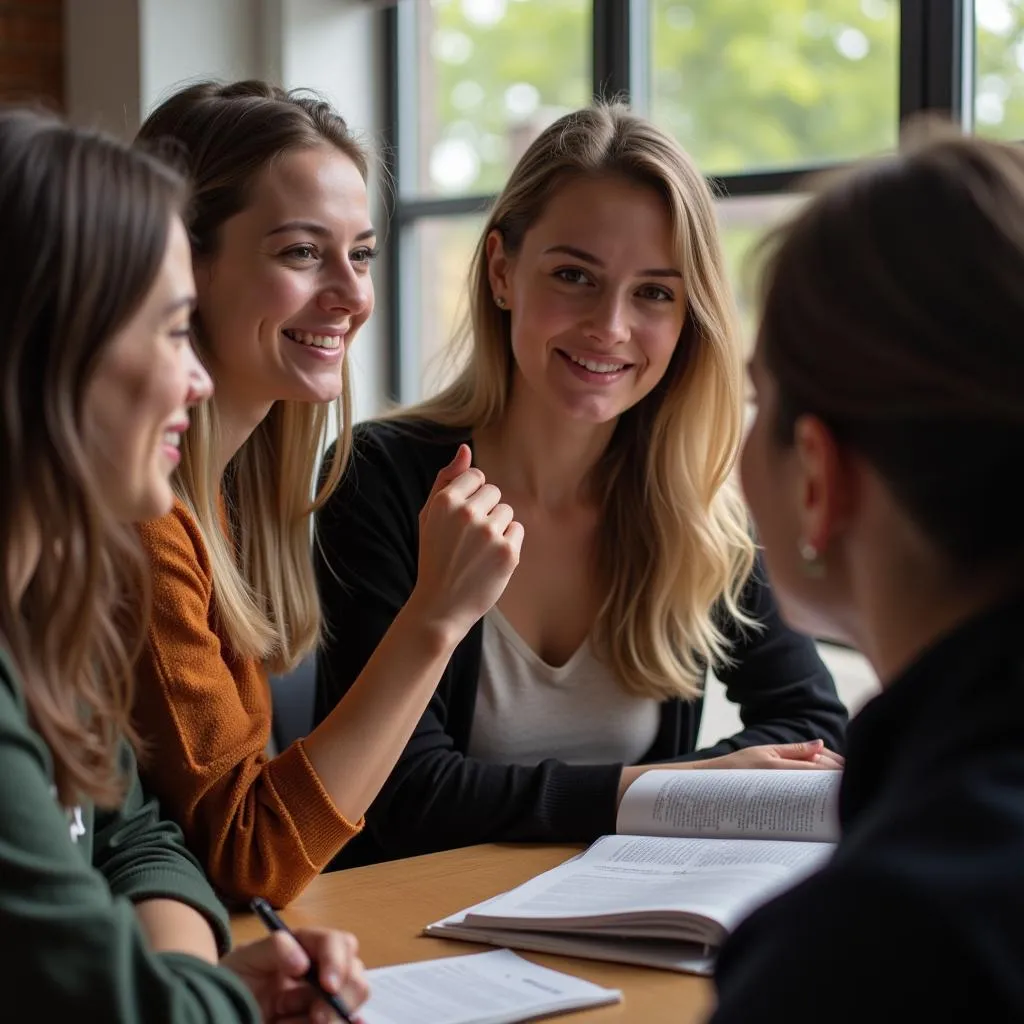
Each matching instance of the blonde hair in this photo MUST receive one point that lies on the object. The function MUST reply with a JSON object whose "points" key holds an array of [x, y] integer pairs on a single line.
{"points": [[264, 585], [664, 480]]}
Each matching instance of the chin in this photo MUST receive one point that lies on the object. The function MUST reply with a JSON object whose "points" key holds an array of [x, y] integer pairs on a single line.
{"points": [[591, 412], [156, 502], [317, 392]]}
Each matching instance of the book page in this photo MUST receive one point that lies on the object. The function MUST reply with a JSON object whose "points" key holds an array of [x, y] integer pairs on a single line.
{"points": [[660, 887], [483, 988], [687, 958], [733, 804]]}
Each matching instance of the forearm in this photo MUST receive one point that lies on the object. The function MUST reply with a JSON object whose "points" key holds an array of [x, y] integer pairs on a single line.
{"points": [[173, 927], [355, 748]]}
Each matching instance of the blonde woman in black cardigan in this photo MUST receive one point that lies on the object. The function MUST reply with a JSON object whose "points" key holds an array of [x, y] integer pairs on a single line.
{"points": [[603, 395]]}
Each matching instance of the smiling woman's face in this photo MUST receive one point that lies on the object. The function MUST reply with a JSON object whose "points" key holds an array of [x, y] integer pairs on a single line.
{"points": [[596, 297], [289, 285], [136, 404]]}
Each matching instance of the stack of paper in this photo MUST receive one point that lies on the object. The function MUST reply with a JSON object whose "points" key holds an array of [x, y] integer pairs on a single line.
{"points": [[484, 988]]}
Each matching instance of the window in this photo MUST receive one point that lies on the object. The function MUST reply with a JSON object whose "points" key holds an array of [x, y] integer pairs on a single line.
{"points": [[743, 223], [441, 249], [480, 87], [756, 86], [999, 68], [759, 93]]}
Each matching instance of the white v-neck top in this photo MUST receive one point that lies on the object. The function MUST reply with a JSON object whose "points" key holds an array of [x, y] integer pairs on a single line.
{"points": [[527, 710]]}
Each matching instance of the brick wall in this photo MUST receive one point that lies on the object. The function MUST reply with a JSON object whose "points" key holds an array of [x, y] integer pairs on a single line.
{"points": [[32, 51]]}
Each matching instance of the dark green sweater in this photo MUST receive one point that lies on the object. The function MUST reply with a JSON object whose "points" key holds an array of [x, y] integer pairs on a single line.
{"points": [[70, 944]]}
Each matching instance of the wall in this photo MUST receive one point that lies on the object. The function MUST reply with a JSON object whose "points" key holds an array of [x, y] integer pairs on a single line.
{"points": [[31, 51]]}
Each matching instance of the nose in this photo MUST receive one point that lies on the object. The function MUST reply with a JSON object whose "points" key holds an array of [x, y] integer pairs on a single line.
{"points": [[200, 385], [609, 320], [349, 292]]}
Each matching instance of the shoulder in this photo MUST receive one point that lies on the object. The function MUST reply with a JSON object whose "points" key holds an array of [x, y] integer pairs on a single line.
{"points": [[412, 442], [397, 460], [16, 730], [174, 545], [755, 603]]}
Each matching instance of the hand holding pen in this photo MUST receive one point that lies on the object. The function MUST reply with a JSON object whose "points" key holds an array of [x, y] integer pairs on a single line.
{"points": [[313, 974]]}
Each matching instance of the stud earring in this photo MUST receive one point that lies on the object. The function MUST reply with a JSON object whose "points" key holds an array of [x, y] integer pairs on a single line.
{"points": [[811, 559], [499, 301]]}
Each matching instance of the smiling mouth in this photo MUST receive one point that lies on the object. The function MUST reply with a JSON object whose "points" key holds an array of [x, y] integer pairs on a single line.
{"points": [[326, 341], [596, 365]]}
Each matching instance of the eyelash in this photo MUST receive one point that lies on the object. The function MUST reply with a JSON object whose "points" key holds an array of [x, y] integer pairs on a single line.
{"points": [[365, 254], [368, 254], [664, 295]]}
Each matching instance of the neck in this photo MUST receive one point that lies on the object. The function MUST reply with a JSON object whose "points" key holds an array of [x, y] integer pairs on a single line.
{"points": [[907, 607], [540, 456], [237, 418]]}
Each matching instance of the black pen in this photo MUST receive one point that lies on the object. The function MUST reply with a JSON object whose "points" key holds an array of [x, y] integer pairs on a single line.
{"points": [[265, 912]]}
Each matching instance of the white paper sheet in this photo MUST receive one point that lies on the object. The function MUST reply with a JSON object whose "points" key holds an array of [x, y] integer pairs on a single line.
{"points": [[483, 988]]}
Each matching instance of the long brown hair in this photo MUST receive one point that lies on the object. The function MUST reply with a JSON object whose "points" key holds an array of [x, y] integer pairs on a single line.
{"points": [[84, 222], [263, 576], [893, 310], [674, 544]]}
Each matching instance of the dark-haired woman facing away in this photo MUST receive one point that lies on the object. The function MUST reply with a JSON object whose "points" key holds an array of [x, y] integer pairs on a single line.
{"points": [[882, 470], [104, 916]]}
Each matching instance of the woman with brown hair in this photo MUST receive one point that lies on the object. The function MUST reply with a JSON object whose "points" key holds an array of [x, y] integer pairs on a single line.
{"points": [[282, 246], [104, 916], [602, 392], [889, 374]]}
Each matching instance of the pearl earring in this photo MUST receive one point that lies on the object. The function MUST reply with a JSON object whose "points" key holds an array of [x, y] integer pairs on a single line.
{"points": [[499, 301], [811, 560]]}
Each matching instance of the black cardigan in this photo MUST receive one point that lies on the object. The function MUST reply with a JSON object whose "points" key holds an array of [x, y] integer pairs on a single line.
{"points": [[437, 798], [919, 916]]}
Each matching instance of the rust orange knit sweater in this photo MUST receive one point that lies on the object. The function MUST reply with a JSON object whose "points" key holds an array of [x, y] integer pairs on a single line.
{"points": [[261, 827]]}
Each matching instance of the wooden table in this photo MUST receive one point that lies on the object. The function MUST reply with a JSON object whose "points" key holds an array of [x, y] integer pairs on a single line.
{"points": [[387, 905]]}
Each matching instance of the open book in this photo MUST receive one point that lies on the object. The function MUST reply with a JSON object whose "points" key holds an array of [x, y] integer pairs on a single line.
{"points": [[695, 853], [485, 988]]}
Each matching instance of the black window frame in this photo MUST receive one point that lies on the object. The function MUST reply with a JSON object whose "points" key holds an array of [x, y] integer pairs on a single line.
{"points": [[936, 61]]}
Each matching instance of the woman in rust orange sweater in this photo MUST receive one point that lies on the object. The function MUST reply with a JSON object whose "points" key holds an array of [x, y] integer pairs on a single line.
{"points": [[282, 246]]}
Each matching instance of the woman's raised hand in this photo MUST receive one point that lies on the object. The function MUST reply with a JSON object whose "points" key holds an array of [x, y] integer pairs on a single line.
{"points": [[469, 548]]}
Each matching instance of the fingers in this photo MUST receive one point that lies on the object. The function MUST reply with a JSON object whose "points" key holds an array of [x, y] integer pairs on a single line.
{"points": [[339, 968], [806, 751], [500, 518], [276, 953], [830, 759], [784, 764], [481, 502], [458, 491], [514, 534], [454, 469]]}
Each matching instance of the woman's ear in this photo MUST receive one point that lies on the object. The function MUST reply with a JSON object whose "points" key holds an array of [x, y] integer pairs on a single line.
{"points": [[826, 482], [498, 267]]}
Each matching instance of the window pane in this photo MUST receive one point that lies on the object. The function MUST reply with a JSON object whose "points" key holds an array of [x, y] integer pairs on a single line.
{"points": [[743, 223], [440, 249], [762, 84], [488, 76], [999, 68]]}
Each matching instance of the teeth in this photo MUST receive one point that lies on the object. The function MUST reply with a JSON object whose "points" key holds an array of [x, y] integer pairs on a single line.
{"points": [[315, 340], [173, 438], [596, 367]]}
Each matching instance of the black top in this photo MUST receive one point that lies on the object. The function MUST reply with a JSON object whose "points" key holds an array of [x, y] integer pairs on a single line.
{"points": [[437, 797], [918, 917]]}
